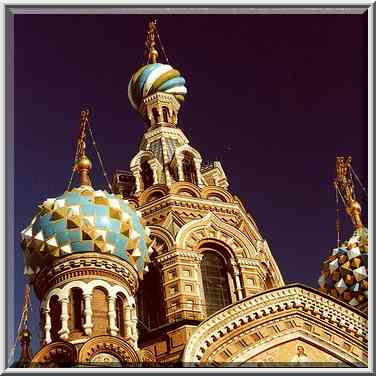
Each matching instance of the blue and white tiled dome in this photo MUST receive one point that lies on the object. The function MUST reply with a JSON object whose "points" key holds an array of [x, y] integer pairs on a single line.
{"points": [[85, 220]]}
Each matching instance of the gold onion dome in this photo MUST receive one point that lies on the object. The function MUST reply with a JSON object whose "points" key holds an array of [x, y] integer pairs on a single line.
{"points": [[85, 220]]}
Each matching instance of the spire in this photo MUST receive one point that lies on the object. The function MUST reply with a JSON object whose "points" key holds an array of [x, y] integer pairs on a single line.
{"points": [[151, 53], [344, 184], [83, 165], [23, 334]]}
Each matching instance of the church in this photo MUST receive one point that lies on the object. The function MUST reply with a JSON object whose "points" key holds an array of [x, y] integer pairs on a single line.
{"points": [[169, 269]]}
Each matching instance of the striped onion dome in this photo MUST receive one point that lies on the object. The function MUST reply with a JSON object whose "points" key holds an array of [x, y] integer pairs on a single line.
{"points": [[153, 78], [85, 220], [345, 272]]}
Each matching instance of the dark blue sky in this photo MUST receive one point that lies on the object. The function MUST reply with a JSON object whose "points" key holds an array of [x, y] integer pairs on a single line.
{"points": [[274, 97]]}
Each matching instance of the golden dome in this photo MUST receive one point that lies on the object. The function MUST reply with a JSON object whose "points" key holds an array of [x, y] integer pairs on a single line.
{"points": [[84, 164]]}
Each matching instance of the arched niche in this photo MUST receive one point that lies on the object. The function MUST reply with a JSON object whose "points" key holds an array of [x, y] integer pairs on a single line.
{"points": [[76, 311], [186, 188], [217, 194], [153, 193], [100, 311]]}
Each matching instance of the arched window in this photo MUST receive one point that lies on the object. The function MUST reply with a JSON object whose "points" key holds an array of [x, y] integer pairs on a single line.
{"points": [[215, 282], [120, 314], [155, 114], [146, 174], [166, 114], [189, 170], [100, 312], [76, 309], [55, 314]]}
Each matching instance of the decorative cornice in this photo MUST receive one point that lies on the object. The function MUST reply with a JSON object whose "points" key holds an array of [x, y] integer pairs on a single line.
{"points": [[184, 254], [297, 297], [163, 131], [85, 265]]}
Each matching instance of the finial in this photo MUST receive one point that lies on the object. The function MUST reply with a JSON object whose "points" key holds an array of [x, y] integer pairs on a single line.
{"points": [[151, 53], [83, 165], [346, 187]]}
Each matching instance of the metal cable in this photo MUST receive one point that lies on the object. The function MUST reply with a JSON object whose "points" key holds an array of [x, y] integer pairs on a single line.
{"points": [[99, 158], [358, 180], [73, 171], [343, 200], [338, 224], [160, 42]]}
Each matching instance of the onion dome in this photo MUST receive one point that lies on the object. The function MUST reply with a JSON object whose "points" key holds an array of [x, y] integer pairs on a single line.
{"points": [[153, 78], [345, 272], [85, 220]]}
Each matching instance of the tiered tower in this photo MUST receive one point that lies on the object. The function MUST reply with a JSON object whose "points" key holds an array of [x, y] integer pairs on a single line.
{"points": [[85, 252], [209, 252]]}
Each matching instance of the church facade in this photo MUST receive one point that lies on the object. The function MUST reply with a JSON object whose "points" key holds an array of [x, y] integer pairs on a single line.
{"points": [[171, 270]]}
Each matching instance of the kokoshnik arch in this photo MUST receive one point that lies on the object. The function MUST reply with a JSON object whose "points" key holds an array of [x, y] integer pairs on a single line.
{"points": [[171, 268]]}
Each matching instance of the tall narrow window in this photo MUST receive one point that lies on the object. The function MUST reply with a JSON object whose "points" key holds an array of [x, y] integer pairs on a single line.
{"points": [[155, 115], [214, 278], [189, 170], [166, 114], [120, 315], [76, 309], [55, 314], [147, 174]]}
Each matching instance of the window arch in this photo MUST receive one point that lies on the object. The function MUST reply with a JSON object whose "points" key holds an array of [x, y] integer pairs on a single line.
{"points": [[215, 281], [146, 174], [189, 170]]}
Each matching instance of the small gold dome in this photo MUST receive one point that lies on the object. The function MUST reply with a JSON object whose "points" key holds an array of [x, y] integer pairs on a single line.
{"points": [[355, 206], [84, 164]]}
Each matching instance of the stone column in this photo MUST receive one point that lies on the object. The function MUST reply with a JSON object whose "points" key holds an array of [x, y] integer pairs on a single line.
{"points": [[197, 162], [111, 316], [179, 162], [134, 325], [88, 326], [238, 287], [127, 319], [64, 331], [136, 171], [47, 325], [154, 167]]}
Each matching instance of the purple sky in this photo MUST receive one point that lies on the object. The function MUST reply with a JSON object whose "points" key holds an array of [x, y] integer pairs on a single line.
{"points": [[274, 97]]}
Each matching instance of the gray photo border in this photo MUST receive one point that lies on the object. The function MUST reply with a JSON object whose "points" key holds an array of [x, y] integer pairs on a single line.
{"points": [[7, 142]]}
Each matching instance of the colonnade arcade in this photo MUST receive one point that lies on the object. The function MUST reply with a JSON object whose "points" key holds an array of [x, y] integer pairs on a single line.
{"points": [[84, 309]]}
